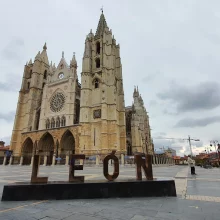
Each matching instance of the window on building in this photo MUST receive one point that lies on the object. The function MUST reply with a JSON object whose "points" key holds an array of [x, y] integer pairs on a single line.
{"points": [[45, 74], [58, 122], [47, 124], [63, 121], [97, 63], [52, 123], [96, 82], [43, 85], [28, 85], [37, 119], [98, 47]]}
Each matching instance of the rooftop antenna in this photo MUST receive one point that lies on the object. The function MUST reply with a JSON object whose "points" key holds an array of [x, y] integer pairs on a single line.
{"points": [[101, 9]]}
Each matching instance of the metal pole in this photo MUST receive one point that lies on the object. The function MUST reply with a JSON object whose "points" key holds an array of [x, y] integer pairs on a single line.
{"points": [[190, 146]]}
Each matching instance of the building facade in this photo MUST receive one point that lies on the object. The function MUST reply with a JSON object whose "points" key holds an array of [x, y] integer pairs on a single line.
{"points": [[138, 132], [58, 116]]}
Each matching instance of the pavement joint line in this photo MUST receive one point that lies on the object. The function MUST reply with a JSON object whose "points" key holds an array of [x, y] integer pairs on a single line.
{"points": [[203, 198], [19, 207]]}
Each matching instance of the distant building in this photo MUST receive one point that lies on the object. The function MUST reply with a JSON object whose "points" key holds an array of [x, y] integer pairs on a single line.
{"points": [[3, 150], [138, 132], [172, 151]]}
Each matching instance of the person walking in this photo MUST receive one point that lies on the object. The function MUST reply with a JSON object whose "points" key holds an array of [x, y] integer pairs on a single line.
{"points": [[191, 163]]}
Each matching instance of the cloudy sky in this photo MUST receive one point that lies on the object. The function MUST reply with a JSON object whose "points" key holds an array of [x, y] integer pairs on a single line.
{"points": [[170, 49]]}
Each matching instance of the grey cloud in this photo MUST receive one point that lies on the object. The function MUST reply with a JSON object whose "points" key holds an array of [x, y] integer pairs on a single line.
{"points": [[198, 144], [6, 140], [12, 83], [202, 96], [168, 112], [9, 117], [151, 76], [13, 51], [190, 122], [153, 103]]}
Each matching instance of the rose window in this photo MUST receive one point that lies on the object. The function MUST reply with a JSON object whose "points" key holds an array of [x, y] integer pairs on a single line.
{"points": [[57, 102]]}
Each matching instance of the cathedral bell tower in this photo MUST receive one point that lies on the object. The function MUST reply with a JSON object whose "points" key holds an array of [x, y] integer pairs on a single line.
{"points": [[102, 110], [30, 95]]}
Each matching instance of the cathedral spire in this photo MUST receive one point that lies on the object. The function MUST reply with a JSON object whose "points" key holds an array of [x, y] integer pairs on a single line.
{"points": [[101, 26], [73, 62], [45, 46], [135, 93], [43, 55], [30, 62], [38, 56]]}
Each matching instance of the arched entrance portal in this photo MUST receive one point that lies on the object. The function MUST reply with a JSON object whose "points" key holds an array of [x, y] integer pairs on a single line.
{"points": [[46, 149], [27, 151], [67, 145]]}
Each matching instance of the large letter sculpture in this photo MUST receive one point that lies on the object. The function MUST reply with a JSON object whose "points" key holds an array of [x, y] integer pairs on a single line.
{"points": [[116, 166], [74, 167], [146, 163], [35, 168]]}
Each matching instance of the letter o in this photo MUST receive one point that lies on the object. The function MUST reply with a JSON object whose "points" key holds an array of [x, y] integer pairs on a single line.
{"points": [[116, 166]]}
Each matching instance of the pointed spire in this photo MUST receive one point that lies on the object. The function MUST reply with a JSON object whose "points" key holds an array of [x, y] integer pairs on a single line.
{"points": [[135, 93], [101, 26], [62, 64], [30, 62], [73, 62], [44, 55], [38, 56], [54, 67], [45, 46], [51, 67]]}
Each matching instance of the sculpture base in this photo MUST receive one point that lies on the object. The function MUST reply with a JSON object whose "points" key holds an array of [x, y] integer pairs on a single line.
{"points": [[88, 190]]}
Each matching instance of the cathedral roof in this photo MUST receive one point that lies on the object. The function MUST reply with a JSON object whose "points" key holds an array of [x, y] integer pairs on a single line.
{"points": [[62, 62], [101, 26]]}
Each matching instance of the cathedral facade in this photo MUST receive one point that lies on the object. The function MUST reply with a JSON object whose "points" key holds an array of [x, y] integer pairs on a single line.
{"points": [[57, 116]]}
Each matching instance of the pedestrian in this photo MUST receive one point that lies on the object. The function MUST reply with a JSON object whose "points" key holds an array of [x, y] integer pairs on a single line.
{"points": [[191, 163]]}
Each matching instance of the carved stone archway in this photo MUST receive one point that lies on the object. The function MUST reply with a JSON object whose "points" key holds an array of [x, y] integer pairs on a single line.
{"points": [[46, 149], [67, 144], [27, 151]]}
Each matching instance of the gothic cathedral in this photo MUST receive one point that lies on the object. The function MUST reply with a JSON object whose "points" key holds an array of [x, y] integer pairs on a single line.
{"points": [[57, 116]]}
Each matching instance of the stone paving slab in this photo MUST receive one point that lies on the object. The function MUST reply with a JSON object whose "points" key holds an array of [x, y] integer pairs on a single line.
{"points": [[193, 202]]}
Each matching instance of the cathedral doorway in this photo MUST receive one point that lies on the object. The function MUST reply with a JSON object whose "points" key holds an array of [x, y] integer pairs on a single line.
{"points": [[67, 145], [27, 151], [46, 149]]}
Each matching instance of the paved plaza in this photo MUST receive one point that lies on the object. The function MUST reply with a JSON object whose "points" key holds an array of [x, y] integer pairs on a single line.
{"points": [[198, 197]]}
